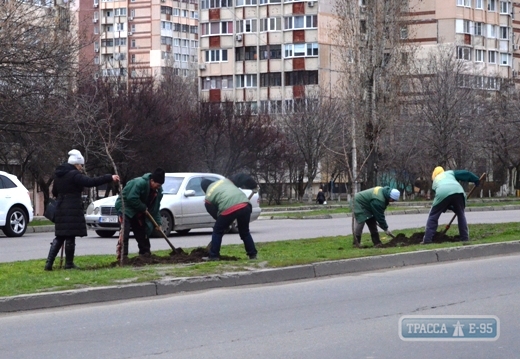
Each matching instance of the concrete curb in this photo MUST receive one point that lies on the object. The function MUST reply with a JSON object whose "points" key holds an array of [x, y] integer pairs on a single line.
{"points": [[264, 276]]}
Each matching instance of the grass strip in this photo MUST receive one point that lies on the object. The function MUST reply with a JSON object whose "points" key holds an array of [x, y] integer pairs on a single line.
{"points": [[24, 277]]}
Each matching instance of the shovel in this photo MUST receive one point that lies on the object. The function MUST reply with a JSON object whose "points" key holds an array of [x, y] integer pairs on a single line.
{"points": [[469, 194], [158, 228]]}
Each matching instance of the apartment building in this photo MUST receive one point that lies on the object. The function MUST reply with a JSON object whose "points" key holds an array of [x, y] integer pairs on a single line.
{"points": [[269, 52], [141, 38], [265, 53], [485, 33]]}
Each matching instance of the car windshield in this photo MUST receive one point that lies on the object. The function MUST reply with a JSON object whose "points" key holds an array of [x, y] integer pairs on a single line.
{"points": [[172, 184]]}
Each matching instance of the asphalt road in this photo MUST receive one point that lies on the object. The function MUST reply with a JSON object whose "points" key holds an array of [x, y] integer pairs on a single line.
{"points": [[36, 245], [351, 316]]}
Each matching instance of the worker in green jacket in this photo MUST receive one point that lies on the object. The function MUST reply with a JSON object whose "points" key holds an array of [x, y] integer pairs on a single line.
{"points": [[140, 194], [227, 203], [369, 208], [449, 194]]}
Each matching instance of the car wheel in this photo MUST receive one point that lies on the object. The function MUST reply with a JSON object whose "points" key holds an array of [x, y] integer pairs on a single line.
{"points": [[167, 222], [15, 223], [105, 234], [183, 232]]}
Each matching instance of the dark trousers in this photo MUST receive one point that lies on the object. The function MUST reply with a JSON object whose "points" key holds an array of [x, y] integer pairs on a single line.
{"points": [[222, 224], [138, 225], [372, 227], [457, 204]]}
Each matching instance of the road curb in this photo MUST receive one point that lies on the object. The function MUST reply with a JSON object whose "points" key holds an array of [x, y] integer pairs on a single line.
{"points": [[263, 276]]}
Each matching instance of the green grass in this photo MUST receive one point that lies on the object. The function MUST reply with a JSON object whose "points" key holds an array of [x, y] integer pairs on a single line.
{"points": [[344, 208], [25, 277], [40, 222]]}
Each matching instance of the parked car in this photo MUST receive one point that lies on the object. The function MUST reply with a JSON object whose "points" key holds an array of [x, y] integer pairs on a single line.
{"points": [[182, 206], [16, 210]]}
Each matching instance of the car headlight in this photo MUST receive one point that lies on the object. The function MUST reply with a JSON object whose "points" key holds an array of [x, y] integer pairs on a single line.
{"points": [[92, 209]]}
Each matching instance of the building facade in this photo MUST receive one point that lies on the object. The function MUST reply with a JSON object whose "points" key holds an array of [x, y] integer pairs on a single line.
{"points": [[140, 38]]}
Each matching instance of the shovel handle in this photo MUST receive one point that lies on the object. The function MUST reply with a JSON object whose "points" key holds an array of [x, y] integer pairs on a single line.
{"points": [[469, 194], [158, 228]]}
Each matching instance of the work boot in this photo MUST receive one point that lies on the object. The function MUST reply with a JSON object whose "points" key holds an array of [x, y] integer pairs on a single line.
{"points": [[70, 248], [357, 241], [53, 252]]}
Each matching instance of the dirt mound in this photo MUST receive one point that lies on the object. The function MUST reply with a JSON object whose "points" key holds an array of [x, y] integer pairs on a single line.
{"points": [[401, 240], [176, 257]]}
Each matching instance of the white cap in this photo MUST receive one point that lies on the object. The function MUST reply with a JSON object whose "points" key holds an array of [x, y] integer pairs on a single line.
{"points": [[75, 158], [394, 194]]}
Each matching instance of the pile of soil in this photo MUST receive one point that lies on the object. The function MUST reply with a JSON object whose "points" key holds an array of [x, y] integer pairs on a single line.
{"points": [[178, 256], [401, 240]]}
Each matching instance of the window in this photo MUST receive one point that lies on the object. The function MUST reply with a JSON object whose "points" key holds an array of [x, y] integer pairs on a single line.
{"points": [[166, 25], [120, 26], [467, 27], [270, 52], [503, 33], [133, 44], [245, 2], [478, 28], [185, 43], [214, 4], [216, 28], [479, 4], [492, 31], [176, 42], [245, 53], [194, 43], [271, 24], [301, 22], [300, 50], [466, 3], [248, 25], [120, 12], [492, 57], [504, 7], [504, 58], [404, 32], [301, 78], [176, 12], [479, 55], [166, 10], [245, 80], [216, 56], [492, 5], [271, 79], [463, 53]]}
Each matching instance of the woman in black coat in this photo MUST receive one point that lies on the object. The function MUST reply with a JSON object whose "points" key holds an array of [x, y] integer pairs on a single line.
{"points": [[70, 219]]}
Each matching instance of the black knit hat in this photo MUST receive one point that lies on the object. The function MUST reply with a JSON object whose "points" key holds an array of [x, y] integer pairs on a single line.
{"points": [[158, 176], [244, 181], [204, 184]]}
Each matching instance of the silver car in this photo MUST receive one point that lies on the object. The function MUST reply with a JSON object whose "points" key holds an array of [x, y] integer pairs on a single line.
{"points": [[182, 206], [16, 210]]}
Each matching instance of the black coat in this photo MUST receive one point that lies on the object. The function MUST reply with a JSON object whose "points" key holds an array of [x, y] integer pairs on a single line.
{"points": [[67, 188]]}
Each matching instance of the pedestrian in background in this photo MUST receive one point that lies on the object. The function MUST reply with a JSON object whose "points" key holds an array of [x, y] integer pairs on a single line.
{"points": [[68, 185], [227, 203], [320, 197], [369, 208], [449, 194], [140, 194]]}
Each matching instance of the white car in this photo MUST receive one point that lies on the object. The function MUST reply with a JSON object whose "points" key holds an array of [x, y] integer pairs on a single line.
{"points": [[182, 206], [16, 210]]}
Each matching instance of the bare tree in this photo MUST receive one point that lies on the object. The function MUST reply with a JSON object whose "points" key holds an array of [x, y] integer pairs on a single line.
{"points": [[310, 126], [374, 55], [501, 135], [446, 107]]}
